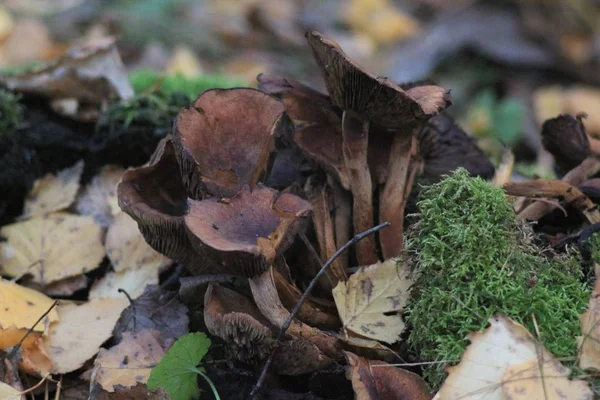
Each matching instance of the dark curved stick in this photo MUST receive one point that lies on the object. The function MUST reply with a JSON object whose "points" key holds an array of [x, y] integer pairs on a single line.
{"points": [[313, 282]]}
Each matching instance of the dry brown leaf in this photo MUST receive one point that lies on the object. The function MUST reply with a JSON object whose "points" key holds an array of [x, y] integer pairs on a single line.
{"points": [[51, 248], [377, 380], [99, 199], [127, 249], [34, 358], [21, 307], [366, 299], [133, 281], [589, 342], [142, 352], [81, 331], [481, 372], [522, 382], [380, 20], [53, 192]]}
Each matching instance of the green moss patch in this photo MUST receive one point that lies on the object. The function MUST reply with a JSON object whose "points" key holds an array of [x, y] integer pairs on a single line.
{"points": [[475, 261]]}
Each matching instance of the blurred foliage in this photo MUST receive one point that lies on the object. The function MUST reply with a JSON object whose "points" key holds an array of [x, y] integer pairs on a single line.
{"points": [[11, 113]]}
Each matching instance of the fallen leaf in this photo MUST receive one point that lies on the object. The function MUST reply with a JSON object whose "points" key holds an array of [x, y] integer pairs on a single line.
{"points": [[84, 328], [8, 392], [139, 391], [127, 249], [21, 307], [51, 248], [589, 343], [130, 362], [99, 199], [370, 348], [133, 281], [157, 310], [544, 379], [34, 358], [380, 20], [366, 299], [504, 171], [53, 192], [184, 62], [378, 380], [481, 372], [176, 372]]}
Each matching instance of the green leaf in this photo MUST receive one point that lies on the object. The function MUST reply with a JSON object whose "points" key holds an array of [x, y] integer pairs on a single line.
{"points": [[177, 372], [508, 119]]}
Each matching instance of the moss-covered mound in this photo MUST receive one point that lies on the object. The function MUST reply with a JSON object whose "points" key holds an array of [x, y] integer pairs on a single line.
{"points": [[474, 262]]}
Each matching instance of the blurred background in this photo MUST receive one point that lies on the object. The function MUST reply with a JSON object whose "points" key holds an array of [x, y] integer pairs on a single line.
{"points": [[510, 64]]}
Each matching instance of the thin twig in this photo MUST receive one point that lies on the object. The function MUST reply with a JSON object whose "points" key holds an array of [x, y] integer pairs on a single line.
{"points": [[132, 305], [311, 285], [18, 346]]}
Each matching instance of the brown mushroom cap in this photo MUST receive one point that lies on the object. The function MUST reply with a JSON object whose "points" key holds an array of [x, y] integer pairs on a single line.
{"points": [[244, 234], [236, 320], [565, 138], [154, 196], [224, 140], [380, 100]]}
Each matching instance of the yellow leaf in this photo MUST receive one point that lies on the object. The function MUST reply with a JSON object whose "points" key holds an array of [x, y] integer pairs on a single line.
{"points": [[133, 281], [8, 392], [34, 358], [53, 192], [99, 199], [184, 62], [127, 249], [371, 293], [380, 20], [52, 247], [493, 353], [21, 307], [81, 331], [142, 352], [522, 382]]}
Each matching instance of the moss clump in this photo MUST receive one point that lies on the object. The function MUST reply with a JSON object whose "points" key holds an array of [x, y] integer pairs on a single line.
{"points": [[11, 113], [473, 265], [145, 80], [593, 244]]}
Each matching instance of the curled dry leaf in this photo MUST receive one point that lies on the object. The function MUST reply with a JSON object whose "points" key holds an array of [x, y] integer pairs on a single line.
{"points": [[133, 281], [129, 362], [127, 249], [367, 299], [377, 380], [84, 328], [543, 379], [53, 192], [482, 371], [51, 248], [34, 358], [22, 307], [99, 198]]}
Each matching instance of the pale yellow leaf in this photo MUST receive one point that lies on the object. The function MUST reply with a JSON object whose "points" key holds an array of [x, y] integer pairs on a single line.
{"points": [[80, 332], [99, 199], [371, 293], [184, 62], [133, 281], [142, 352], [53, 192], [481, 372], [127, 249], [8, 392], [21, 307], [52, 247], [544, 379]]}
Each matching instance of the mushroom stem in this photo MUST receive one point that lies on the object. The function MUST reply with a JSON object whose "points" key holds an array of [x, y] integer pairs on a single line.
{"points": [[268, 302], [395, 192], [342, 218], [355, 132]]}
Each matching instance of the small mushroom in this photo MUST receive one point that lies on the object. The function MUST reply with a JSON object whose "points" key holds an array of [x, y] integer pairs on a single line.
{"points": [[225, 140], [373, 103], [243, 236], [154, 196]]}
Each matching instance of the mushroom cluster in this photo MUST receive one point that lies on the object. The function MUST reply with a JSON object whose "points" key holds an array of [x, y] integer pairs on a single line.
{"points": [[246, 172]]}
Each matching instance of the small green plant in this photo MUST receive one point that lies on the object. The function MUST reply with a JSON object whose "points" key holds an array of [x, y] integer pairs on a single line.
{"points": [[177, 372], [474, 261], [11, 113]]}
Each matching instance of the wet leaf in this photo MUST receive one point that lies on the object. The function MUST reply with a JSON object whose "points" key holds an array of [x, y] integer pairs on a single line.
{"points": [[130, 362], [177, 371], [53, 192], [366, 300], [51, 248], [84, 328]]}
